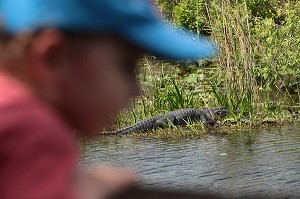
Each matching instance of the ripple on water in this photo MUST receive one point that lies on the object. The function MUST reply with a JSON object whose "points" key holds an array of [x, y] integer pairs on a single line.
{"points": [[265, 162]]}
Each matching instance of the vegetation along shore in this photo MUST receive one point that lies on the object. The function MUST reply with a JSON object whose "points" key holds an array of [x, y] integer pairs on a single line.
{"points": [[257, 71]]}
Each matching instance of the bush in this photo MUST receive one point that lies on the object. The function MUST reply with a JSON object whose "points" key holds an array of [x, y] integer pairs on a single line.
{"points": [[278, 58]]}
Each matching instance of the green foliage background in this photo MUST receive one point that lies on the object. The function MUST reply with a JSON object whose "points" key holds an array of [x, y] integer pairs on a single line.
{"points": [[257, 70], [270, 30]]}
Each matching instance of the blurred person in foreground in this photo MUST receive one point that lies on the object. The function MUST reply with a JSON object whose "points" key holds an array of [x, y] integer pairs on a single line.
{"points": [[70, 64]]}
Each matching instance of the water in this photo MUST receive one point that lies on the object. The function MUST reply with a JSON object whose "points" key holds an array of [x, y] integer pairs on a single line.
{"points": [[241, 163]]}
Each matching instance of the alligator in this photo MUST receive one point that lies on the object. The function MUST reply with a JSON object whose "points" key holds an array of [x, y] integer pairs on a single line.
{"points": [[181, 117]]}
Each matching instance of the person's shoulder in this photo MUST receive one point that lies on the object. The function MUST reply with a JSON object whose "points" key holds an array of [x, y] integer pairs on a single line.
{"points": [[22, 114], [37, 149]]}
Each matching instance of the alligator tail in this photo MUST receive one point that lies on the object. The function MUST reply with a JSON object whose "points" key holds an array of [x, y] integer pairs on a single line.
{"points": [[141, 126]]}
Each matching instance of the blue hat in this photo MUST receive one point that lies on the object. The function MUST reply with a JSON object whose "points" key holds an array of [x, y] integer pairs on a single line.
{"points": [[135, 20]]}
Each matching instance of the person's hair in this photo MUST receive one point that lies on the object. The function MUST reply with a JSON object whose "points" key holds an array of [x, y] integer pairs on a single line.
{"points": [[12, 49]]}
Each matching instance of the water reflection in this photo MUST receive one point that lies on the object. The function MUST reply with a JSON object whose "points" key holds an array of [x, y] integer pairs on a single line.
{"points": [[265, 161]]}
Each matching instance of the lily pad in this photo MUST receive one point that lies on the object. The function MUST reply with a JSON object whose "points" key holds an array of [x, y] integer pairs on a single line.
{"points": [[223, 154]]}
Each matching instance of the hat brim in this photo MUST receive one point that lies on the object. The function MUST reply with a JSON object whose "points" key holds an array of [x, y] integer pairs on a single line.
{"points": [[168, 43]]}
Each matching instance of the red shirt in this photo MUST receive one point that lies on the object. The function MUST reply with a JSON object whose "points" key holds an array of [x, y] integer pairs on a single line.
{"points": [[37, 155]]}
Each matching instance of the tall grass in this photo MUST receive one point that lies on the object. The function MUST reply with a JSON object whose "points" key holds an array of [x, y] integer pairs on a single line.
{"points": [[240, 62], [230, 28]]}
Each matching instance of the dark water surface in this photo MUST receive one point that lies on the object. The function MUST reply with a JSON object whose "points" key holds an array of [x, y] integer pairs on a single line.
{"points": [[240, 163]]}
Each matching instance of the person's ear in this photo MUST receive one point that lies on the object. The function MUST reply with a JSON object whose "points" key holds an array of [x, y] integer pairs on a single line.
{"points": [[47, 54]]}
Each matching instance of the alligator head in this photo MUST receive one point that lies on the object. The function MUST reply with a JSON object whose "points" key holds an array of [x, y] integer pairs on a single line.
{"points": [[220, 112]]}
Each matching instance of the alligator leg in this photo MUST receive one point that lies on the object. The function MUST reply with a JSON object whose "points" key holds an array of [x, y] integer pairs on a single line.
{"points": [[205, 120]]}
